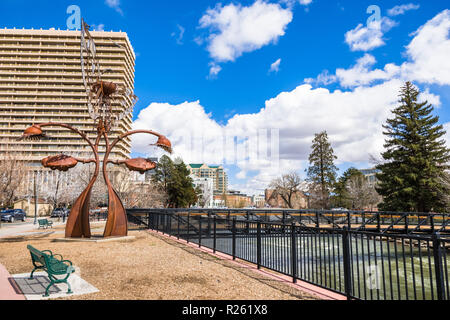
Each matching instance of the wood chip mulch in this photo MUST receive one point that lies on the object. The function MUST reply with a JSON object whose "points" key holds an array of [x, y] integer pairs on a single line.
{"points": [[151, 267]]}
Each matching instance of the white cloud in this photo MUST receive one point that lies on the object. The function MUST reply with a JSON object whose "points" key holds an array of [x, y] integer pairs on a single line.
{"points": [[291, 3], [99, 27], [325, 78], [427, 60], [429, 52], [370, 37], [446, 137], [430, 98], [275, 67], [235, 29], [297, 114], [360, 74], [115, 4], [352, 118], [178, 35], [214, 70], [401, 9]]}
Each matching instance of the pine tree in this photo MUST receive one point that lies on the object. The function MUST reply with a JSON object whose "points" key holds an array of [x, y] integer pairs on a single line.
{"points": [[172, 177], [415, 157], [322, 171]]}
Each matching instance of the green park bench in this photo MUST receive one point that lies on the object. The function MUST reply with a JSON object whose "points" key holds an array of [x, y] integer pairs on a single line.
{"points": [[53, 264], [45, 223]]}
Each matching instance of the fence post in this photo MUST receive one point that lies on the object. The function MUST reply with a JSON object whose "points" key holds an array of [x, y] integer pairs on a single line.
{"points": [[437, 252], [209, 224], [317, 220], [349, 220], [178, 227], [157, 222], [169, 225], [233, 230], [148, 220], [200, 232], [294, 253], [406, 223], [258, 244], [378, 222], [215, 235], [188, 227], [347, 263]]}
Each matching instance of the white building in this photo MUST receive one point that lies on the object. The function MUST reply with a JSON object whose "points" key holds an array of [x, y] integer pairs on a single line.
{"points": [[206, 185], [259, 201]]}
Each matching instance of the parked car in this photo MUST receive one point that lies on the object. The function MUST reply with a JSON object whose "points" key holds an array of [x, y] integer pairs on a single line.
{"points": [[59, 213], [12, 215]]}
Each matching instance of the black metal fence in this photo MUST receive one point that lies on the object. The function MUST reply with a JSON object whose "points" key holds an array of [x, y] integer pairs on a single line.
{"points": [[359, 264], [384, 222]]}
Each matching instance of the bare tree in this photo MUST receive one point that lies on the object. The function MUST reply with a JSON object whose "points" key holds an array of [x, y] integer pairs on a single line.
{"points": [[444, 197], [286, 187], [13, 170], [362, 193]]}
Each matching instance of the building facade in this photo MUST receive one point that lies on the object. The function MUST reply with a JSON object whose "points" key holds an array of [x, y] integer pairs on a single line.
{"points": [[206, 185], [370, 175], [259, 201], [234, 199], [41, 81], [299, 200], [216, 173]]}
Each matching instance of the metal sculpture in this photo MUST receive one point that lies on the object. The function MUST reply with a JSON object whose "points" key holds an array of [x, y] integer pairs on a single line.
{"points": [[100, 97]]}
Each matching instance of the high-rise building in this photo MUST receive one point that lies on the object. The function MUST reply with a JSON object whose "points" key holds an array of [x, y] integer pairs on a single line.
{"points": [[217, 173], [370, 175], [206, 186], [41, 81]]}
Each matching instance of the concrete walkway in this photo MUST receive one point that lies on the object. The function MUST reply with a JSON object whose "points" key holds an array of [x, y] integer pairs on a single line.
{"points": [[7, 284], [13, 230]]}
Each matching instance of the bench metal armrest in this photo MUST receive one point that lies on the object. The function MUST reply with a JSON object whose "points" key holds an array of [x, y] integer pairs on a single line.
{"points": [[58, 255], [45, 251], [70, 268], [68, 261]]}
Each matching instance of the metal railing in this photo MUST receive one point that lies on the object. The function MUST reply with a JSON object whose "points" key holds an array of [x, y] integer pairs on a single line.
{"points": [[384, 222], [359, 264]]}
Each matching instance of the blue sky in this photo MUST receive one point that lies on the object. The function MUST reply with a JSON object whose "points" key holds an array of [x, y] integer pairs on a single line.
{"points": [[179, 43]]}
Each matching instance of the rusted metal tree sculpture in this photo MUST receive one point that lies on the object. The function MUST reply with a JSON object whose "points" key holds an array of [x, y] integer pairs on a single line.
{"points": [[101, 96]]}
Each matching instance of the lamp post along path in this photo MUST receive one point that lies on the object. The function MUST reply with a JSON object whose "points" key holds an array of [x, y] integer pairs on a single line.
{"points": [[100, 97]]}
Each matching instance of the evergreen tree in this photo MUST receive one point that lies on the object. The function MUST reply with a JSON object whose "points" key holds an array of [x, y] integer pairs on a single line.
{"points": [[415, 157], [181, 190], [322, 171], [172, 177]]}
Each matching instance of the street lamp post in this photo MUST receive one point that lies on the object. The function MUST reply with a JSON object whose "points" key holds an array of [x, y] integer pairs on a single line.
{"points": [[35, 199]]}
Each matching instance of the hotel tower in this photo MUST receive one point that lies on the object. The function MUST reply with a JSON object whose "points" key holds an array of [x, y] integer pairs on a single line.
{"points": [[41, 81]]}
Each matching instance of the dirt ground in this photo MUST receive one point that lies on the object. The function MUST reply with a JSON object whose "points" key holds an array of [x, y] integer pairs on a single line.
{"points": [[151, 267]]}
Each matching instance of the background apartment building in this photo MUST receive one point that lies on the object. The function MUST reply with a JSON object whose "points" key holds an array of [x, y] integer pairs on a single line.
{"points": [[217, 173], [41, 81]]}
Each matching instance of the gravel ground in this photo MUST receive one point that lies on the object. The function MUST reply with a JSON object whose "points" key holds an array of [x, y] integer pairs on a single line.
{"points": [[150, 267]]}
